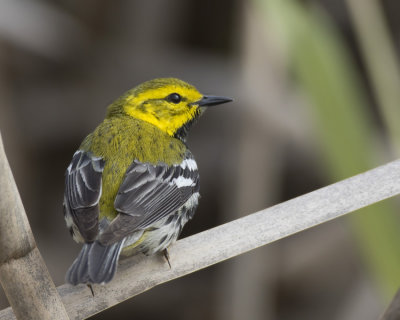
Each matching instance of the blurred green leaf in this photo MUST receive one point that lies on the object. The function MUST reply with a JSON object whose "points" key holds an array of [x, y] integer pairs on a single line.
{"points": [[324, 72]]}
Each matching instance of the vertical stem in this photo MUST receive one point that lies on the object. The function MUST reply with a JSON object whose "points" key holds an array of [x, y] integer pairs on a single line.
{"points": [[380, 59], [23, 273]]}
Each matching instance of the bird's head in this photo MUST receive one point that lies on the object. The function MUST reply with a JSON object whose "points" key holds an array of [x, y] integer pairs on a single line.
{"points": [[170, 104]]}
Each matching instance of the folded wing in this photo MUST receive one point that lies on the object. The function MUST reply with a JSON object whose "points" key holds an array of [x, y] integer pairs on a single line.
{"points": [[83, 180], [148, 194]]}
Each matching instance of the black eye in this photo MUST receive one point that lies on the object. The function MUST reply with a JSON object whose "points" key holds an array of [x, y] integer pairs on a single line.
{"points": [[174, 98]]}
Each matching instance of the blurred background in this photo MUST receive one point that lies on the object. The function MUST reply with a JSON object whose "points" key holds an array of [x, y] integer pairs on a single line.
{"points": [[317, 90]]}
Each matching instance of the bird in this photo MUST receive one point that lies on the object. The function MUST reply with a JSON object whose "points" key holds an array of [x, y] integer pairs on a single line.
{"points": [[133, 183]]}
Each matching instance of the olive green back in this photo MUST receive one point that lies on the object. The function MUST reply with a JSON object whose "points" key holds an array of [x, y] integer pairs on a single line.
{"points": [[119, 140]]}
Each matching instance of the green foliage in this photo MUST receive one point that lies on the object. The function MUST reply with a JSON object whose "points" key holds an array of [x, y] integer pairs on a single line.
{"points": [[323, 70]]}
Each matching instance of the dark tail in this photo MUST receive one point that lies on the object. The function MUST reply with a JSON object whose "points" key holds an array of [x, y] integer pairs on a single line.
{"points": [[95, 264]]}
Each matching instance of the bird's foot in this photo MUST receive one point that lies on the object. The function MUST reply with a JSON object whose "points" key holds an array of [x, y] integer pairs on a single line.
{"points": [[91, 288], [166, 256]]}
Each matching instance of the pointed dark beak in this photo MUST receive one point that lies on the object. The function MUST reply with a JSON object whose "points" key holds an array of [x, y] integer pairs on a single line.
{"points": [[208, 101]]}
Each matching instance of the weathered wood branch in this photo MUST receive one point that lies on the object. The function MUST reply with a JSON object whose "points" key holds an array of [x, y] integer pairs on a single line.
{"points": [[138, 274], [23, 273]]}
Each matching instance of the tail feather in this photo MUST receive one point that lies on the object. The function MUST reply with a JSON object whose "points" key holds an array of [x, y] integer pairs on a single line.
{"points": [[103, 261], [95, 263], [79, 271]]}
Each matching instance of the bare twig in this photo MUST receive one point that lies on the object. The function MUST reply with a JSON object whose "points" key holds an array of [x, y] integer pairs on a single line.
{"points": [[393, 311], [23, 274], [138, 274]]}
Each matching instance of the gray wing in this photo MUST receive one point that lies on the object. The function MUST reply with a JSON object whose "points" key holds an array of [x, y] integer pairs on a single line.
{"points": [[83, 180], [150, 193]]}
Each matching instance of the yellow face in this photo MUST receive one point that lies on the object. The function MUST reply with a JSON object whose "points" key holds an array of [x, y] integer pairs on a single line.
{"points": [[168, 104]]}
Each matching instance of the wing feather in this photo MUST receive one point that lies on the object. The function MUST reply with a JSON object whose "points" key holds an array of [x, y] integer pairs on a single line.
{"points": [[148, 194], [83, 181]]}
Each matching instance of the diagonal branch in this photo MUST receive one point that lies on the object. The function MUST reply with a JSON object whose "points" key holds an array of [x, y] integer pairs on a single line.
{"points": [[138, 274]]}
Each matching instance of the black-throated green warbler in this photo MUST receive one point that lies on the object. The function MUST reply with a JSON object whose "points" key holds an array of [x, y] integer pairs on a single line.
{"points": [[133, 183]]}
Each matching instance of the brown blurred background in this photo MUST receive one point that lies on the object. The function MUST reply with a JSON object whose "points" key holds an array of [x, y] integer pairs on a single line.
{"points": [[309, 110]]}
